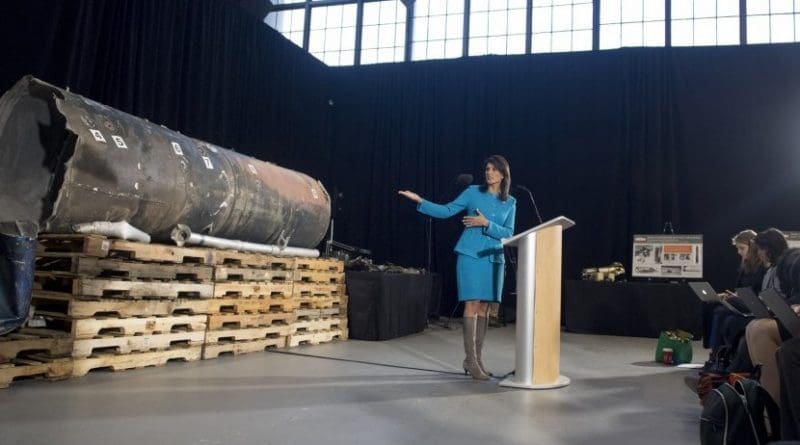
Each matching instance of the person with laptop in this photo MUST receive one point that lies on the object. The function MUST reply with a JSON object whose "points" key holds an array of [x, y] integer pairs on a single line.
{"points": [[769, 244], [750, 274], [764, 336]]}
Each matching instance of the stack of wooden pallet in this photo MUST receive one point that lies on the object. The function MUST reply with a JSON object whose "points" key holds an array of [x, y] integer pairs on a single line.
{"points": [[125, 305], [35, 352], [252, 309], [320, 301], [122, 305]]}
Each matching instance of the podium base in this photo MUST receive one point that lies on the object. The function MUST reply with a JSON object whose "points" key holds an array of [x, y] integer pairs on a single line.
{"points": [[560, 382]]}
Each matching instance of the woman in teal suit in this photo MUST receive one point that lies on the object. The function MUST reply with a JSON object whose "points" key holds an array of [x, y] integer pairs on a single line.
{"points": [[480, 268]]}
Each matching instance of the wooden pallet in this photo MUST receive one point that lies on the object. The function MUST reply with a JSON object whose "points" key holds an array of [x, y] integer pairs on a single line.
{"points": [[334, 311], [30, 367], [212, 351], [138, 343], [238, 321], [250, 305], [87, 328], [77, 265], [310, 313], [252, 289], [124, 362], [236, 273], [315, 302], [236, 335], [250, 259], [318, 276], [106, 288], [300, 289], [29, 340], [320, 324], [53, 304], [160, 253], [319, 264], [315, 338], [90, 245]]}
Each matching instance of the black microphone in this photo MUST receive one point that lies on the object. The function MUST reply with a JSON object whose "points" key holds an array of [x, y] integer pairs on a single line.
{"points": [[522, 187], [464, 179]]}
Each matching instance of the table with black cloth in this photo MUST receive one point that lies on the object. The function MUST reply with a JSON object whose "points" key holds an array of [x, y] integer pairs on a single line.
{"points": [[384, 305], [635, 309]]}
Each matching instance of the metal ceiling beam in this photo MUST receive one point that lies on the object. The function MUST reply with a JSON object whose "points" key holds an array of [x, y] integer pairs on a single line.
{"points": [[315, 3]]}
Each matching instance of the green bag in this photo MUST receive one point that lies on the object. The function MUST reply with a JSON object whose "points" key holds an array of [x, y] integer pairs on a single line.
{"points": [[681, 344]]}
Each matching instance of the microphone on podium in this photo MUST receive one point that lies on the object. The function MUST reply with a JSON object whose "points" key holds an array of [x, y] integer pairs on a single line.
{"points": [[530, 194]]}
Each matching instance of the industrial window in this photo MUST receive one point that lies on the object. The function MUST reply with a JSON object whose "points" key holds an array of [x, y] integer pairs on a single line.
{"points": [[497, 27], [773, 21], [562, 25], [288, 23], [632, 23], [705, 22], [332, 37], [438, 29], [384, 32]]}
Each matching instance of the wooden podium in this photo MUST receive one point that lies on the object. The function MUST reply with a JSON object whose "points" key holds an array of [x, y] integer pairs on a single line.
{"points": [[538, 342]]}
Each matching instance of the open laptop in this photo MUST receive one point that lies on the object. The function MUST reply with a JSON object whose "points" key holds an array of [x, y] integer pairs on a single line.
{"points": [[783, 312], [704, 291], [707, 294], [754, 305]]}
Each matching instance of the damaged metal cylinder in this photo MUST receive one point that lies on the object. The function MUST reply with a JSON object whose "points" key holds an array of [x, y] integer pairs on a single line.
{"points": [[66, 160]]}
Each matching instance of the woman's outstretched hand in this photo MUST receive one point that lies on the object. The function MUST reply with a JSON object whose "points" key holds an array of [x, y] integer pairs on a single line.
{"points": [[410, 195], [476, 221]]}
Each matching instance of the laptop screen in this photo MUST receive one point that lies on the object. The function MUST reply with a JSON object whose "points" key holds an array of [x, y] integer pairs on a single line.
{"points": [[783, 312]]}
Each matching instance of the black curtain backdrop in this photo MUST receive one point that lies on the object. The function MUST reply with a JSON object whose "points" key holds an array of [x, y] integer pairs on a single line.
{"points": [[621, 141]]}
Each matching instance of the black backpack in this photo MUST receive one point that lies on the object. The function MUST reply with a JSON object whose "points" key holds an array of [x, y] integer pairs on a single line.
{"points": [[742, 413]]}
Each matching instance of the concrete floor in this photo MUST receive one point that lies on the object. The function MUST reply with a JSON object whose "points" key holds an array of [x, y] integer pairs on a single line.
{"points": [[617, 396]]}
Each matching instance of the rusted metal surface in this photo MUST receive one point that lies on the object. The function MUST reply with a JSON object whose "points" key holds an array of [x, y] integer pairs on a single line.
{"points": [[66, 160]]}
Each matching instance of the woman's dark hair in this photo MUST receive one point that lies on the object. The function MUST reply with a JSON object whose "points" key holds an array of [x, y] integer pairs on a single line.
{"points": [[502, 166], [773, 242], [751, 262], [788, 272]]}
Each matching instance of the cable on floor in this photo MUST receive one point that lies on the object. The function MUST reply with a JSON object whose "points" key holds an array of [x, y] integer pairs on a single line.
{"points": [[363, 362]]}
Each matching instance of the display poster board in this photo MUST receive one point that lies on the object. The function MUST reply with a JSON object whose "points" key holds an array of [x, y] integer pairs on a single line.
{"points": [[668, 256]]}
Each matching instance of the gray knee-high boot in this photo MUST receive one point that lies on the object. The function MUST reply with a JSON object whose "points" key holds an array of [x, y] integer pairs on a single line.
{"points": [[480, 335], [471, 362]]}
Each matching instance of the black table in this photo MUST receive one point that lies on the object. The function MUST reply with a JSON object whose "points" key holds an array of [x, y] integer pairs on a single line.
{"points": [[636, 309], [385, 305]]}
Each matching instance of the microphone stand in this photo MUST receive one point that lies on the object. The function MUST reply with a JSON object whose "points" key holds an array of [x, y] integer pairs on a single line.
{"points": [[535, 208], [429, 239]]}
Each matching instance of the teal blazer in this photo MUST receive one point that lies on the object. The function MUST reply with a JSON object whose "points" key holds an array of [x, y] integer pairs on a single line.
{"points": [[478, 242]]}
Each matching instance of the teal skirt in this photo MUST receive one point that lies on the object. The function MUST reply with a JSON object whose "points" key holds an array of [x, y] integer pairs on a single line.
{"points": [[479, 279]]}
